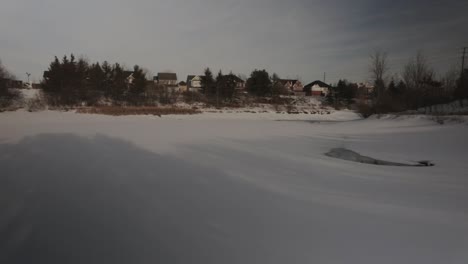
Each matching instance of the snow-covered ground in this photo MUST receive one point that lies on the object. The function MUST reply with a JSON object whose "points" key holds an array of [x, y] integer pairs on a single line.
{"points": [[456, 107], [78, 188]]}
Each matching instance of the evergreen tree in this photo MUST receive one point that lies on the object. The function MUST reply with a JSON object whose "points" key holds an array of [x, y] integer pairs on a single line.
{"points": [[229, 86], [95, 83], [108, 72], [137, 87], [219, 86], [119, 84], [209, 83], [401, 87], [392, 89], [259, 83]]}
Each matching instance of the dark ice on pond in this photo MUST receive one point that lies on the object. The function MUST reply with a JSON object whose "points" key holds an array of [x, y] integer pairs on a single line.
{"points": [[346, 154]]}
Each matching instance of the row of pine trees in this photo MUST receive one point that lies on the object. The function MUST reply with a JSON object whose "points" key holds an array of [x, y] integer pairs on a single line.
{"points": [[73, 82]]}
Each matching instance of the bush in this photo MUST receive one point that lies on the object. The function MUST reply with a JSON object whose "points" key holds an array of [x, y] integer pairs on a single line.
{"points": [[365, 110], [193, 97], [38, 103], [9, 98]]}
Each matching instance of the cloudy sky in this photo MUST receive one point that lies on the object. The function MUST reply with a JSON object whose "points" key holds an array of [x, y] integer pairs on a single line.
{"points": [[295, 38]]}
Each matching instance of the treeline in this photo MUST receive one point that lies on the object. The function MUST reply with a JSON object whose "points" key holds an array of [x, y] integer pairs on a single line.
{"points": [[261, 84], [343, 93], [6, 95], [76, 82], [418, 86], [221, 89]]}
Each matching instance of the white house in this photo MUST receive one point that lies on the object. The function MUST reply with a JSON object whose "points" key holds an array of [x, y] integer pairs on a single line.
{"points": [[195, 83]]}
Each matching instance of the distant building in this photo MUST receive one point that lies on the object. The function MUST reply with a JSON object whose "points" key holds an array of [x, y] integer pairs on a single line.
{"points": [[240, 84], [167, 79], [195, 83], [182, 86], [129, 77], [367, 86], [294, 86], [317, 88], [365, 90]]}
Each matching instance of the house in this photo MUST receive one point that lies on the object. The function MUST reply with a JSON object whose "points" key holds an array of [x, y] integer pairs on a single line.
{"points": [[317, 88], [367, 87], [129, 77], [240, 84], [195, 83], [182, 86], [295, 86], [167, 79], [365, 90]]}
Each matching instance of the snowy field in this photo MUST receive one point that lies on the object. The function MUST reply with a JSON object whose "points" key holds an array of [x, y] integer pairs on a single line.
{"points": [[218, 189]]}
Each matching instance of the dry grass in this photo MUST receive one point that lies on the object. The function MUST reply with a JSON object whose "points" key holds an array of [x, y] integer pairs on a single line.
{"points": [[136, 110]]}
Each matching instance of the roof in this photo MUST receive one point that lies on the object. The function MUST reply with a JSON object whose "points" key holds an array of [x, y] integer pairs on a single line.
{"points": [[285, 81], [128, 73], [319, 83], [190, 77], [237, 78], [166, 76]]}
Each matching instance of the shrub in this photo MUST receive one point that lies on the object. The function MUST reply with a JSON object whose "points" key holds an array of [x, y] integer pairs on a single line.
{"points": [[38, 103]]}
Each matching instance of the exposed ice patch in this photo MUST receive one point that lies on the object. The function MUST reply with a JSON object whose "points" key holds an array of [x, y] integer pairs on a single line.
{"points": [[346, 154]]}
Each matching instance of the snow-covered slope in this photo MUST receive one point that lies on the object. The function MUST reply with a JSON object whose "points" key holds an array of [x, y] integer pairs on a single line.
{"points": [[78, 188]]}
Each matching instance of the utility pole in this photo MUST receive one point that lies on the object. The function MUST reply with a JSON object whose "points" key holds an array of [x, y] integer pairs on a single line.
{"points": [[463, 67]]}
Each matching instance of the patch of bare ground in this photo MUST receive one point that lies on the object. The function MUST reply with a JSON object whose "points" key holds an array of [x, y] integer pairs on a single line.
{"points": [[137, 110]]}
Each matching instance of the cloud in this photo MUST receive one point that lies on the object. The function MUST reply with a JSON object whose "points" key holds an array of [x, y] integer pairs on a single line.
{"points": [[297, 37]]}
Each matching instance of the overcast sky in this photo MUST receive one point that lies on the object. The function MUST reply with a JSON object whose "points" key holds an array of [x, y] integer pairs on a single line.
{"points": [[294, 38]]}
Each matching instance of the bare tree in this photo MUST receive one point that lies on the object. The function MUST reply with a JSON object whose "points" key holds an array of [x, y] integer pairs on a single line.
{"points": [[378, 68], [417, 71], [449, 81]]}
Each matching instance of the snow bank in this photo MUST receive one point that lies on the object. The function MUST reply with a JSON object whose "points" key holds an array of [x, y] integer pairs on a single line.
{"points": [[457, 107]]}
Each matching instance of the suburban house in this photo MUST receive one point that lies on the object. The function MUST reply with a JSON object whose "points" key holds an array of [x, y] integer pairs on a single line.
{"points": [[167, 79], [240, 84], [317, 88], [295, 86], [129, 77], [195, 83], [365, 90], [182, 86]]}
